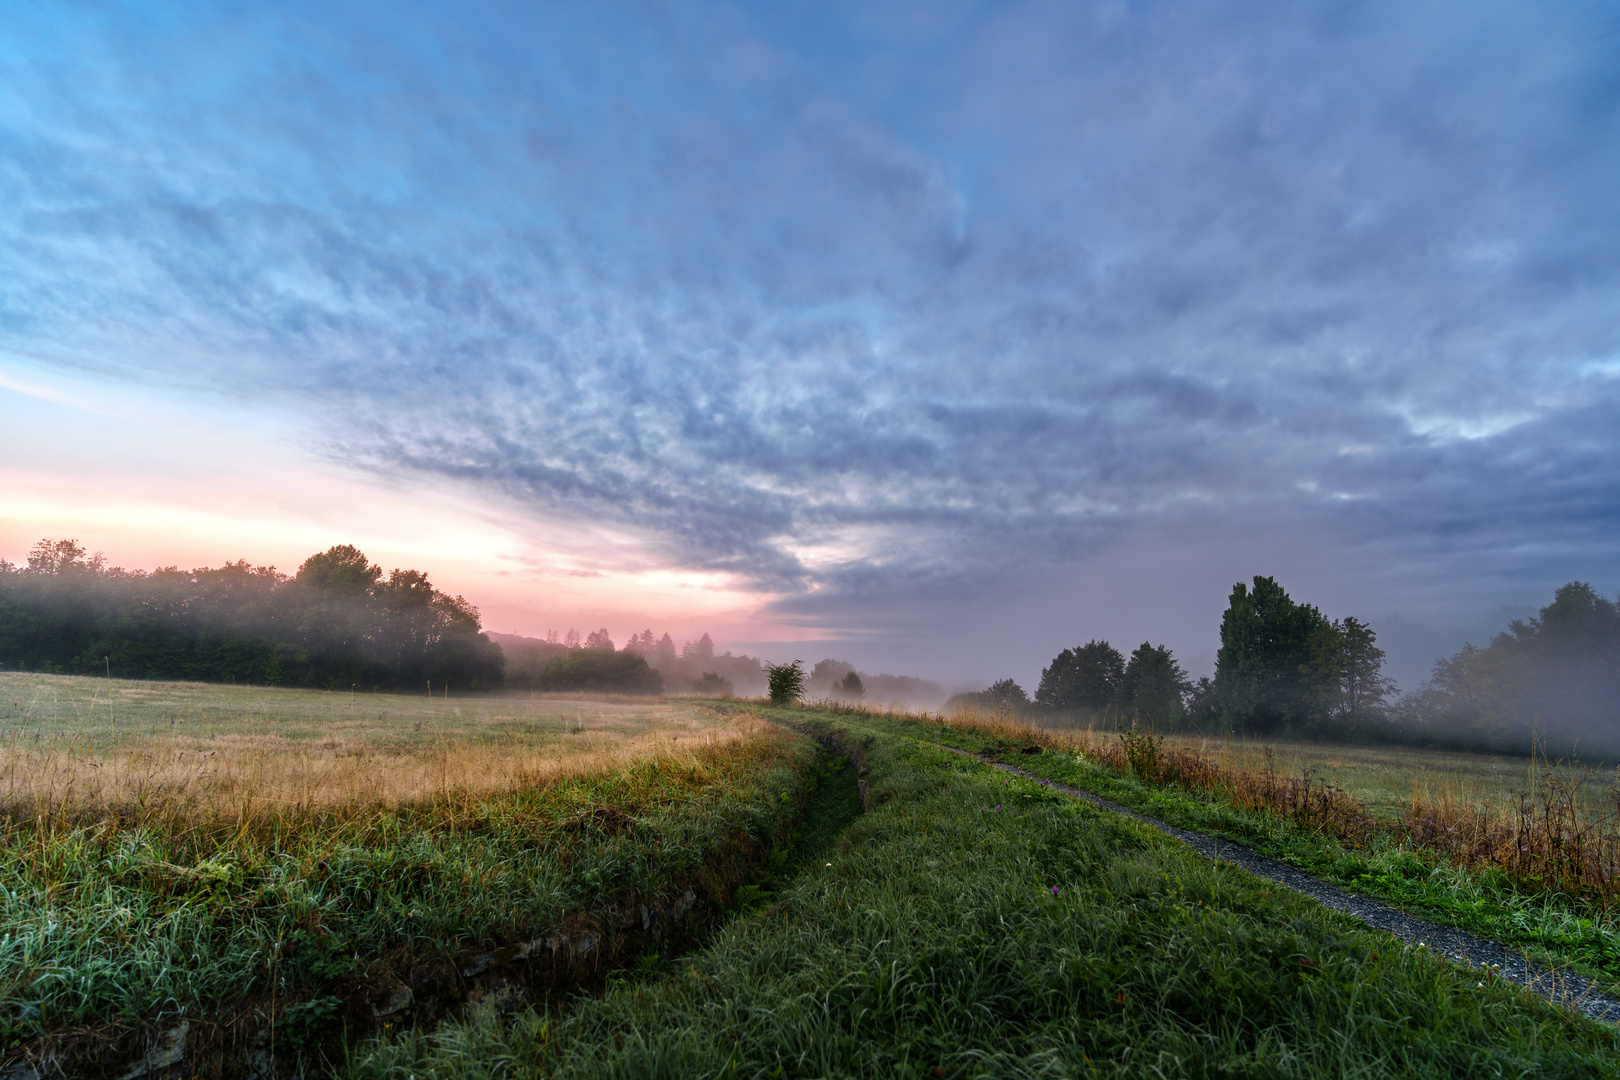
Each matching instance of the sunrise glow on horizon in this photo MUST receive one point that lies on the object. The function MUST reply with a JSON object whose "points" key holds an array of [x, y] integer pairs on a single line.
{"points": [[149, 483]]}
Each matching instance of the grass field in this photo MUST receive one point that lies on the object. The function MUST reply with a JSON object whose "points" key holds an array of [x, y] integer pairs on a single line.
{"points": [[93, 746], [279, 883], [272, 869], [1542, 881], [972, 926], [1386, 779]]}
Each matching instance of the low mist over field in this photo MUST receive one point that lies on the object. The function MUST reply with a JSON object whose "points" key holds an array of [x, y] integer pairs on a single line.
{"points": [[1285, 668]]}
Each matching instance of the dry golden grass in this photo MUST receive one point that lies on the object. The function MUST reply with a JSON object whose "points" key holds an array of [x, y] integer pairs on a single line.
{"points": [[75, 749], [1557, 823]]}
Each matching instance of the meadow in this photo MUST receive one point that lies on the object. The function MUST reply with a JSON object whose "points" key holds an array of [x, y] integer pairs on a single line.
{"points": [[87, 747], [251, 877], [1527, 853], [230, 881], [1386, 781], [969, 925]]}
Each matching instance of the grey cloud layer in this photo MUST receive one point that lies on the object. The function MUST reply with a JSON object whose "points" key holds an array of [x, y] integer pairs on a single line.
{"points": [[903, 306]]}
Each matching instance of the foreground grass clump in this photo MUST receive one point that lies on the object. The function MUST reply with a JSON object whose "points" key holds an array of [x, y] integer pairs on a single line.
{"points": [[276, 929], [971, 926]]}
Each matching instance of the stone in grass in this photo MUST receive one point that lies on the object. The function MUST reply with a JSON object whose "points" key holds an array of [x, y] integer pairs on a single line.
{"points": [[398, 999], [169, 1052]]}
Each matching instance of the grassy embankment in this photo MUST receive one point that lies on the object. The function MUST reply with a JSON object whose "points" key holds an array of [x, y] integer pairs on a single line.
{"points": [[1538, 875], [971, 926], [274, 868]]}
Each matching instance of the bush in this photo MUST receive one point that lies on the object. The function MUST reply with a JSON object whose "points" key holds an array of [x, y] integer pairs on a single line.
{"points": [[786, 682]]}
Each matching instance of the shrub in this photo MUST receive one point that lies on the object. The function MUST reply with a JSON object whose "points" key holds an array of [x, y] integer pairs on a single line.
{"points": [[786, 682]]}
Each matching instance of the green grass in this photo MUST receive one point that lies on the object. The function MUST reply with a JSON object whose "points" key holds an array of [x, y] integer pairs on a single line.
{"points": [[112, 927], [1555, 928], [971, 927]]}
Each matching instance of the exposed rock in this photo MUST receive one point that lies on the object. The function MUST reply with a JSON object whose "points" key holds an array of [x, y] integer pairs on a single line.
{"points": [[398, 999], [169, 1052]]}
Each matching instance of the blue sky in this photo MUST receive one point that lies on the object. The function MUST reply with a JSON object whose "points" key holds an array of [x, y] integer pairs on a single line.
{"points": [[938, 336]]}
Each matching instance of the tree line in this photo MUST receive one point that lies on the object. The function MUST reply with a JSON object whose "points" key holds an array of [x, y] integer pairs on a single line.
{"points": [[1286, 669], [645, 665], [339, 622]]}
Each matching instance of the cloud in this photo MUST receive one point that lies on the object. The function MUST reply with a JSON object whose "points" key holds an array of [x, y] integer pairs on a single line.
{"points": [[868, 304]]}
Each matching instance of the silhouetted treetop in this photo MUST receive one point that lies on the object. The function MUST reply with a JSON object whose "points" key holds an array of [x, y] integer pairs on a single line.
{"points": [[343, 569], [1085, 677]]}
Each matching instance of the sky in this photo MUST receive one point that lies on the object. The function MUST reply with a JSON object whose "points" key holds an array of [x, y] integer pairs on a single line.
{"points": [[935, 336]]}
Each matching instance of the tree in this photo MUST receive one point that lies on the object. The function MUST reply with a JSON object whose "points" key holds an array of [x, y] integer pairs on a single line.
{"points": [[1154, 685], [1202, 706], [1006, 694], [1265, 646], [701, 650], [63, 557], [1345, 683], [824, 679], [785, 681], [851, 687], [1003, 695], [1557, 674], [336, 624], [343, 570], [1085, 677], [599, 639]]}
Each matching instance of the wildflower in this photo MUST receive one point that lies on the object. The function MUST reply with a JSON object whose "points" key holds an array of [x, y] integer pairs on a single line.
{"points": [[1054, 890]]}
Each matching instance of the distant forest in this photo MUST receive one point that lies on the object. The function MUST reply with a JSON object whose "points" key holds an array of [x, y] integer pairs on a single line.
{"points": [[644, 665], [695, 668], [1285, 669], [339, 622]]}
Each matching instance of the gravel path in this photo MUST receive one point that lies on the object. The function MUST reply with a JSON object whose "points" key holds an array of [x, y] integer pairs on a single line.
{"points": [[1561, 987]]}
